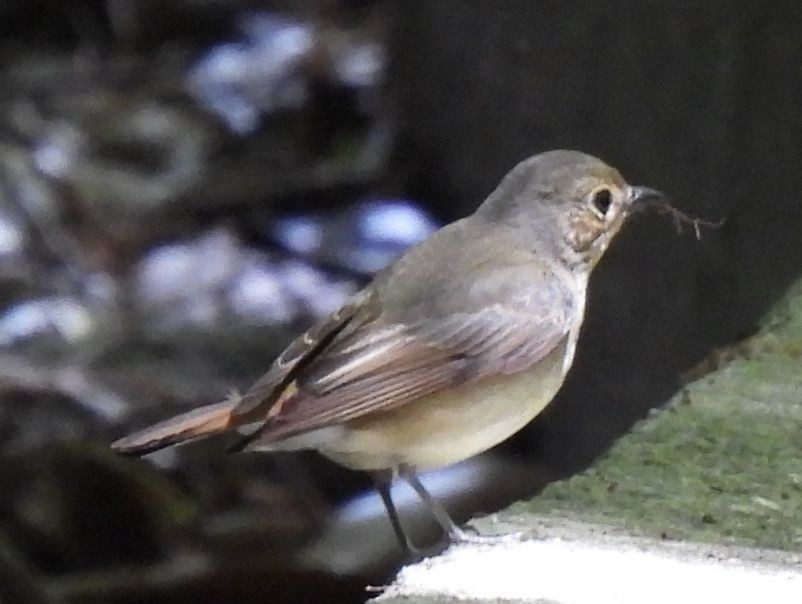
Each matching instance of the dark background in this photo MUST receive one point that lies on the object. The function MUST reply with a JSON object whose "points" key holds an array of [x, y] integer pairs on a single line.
{"points": [[147, 260]]}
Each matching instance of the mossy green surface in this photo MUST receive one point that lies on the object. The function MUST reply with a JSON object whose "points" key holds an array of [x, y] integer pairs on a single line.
{"points": [[722, 463]]}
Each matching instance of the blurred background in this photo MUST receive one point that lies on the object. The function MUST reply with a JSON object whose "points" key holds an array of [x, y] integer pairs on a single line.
{"points": [[186, 184]]}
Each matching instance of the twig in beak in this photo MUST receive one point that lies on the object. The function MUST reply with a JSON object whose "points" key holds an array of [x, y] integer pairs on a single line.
{"points": [[680, 218]]}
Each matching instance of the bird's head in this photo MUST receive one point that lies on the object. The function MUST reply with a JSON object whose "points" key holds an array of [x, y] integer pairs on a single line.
{"points": [[569, 201]]}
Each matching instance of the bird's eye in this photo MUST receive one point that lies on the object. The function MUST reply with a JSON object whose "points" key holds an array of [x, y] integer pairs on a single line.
{"points": [[601, 200]]}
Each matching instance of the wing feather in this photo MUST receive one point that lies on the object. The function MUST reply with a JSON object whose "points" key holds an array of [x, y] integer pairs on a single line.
{"points": [[257, 401]]}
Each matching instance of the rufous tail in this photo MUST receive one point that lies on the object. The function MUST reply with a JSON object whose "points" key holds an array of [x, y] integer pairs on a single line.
{"points": [[198, 423]]}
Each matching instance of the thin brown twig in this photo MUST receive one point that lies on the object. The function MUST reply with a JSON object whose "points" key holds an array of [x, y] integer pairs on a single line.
{"points": [[680, 218]]}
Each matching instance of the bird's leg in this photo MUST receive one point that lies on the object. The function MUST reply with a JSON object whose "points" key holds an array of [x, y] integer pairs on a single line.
{"points": [[455, 533], [382, 479]]}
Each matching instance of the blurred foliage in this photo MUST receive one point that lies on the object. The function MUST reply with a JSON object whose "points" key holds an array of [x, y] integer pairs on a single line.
{"points": [[146, 149]]}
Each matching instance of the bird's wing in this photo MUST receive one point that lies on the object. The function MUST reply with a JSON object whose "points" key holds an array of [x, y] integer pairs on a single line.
{"points": [[396, 358], [260, 397]]}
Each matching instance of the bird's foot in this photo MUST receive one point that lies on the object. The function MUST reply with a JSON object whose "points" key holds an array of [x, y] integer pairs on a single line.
{"points": [[470, 535]]}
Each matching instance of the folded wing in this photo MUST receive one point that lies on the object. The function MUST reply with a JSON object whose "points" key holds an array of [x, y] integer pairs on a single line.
{"points": [[385, 363]]}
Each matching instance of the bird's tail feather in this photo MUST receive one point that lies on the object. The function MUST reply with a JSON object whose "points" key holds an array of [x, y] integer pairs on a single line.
{"points": [[198, 423]]}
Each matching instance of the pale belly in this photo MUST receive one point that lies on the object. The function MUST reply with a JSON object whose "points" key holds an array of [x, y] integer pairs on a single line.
{"points": [[447, 427]]}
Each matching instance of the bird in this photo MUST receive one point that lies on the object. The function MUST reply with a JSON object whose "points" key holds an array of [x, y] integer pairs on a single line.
{"points": [[455, 346]]}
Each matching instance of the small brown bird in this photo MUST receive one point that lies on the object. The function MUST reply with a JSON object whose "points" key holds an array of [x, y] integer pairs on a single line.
{"points": [[454, 347]]}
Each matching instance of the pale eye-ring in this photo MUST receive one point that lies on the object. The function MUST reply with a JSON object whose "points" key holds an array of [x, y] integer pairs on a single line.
{"points": [[600, 201]]}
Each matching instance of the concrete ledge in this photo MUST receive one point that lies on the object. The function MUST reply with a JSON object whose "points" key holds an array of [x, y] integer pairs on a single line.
{"points": [[585, 564]]}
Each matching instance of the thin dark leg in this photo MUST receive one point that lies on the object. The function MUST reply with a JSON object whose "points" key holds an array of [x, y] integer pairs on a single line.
{"points": [[454, 532], [382, 480]]}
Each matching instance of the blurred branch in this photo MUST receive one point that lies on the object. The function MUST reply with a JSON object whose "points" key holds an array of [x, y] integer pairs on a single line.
{"points": [[131, 580], [245, 183], [17, 372], [30, 198]]}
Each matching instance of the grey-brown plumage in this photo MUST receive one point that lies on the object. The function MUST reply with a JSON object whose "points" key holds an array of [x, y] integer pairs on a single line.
{"points": [[452, 348]]}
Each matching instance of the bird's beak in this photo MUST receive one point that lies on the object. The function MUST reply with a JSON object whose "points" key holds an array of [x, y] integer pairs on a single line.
{"points": [[638, 195]]}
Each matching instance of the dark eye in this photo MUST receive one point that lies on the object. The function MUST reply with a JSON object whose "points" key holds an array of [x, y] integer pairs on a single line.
{"points": [[601, 200]]}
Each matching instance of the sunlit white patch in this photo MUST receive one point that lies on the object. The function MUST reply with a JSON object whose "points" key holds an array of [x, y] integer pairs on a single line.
{"points": [[11, 238], [313, 288], [68, 318], [396, 222], [169, 272], [360, 65], [261, 72], [302, 234], [258, 293], [56, 154]]}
